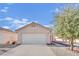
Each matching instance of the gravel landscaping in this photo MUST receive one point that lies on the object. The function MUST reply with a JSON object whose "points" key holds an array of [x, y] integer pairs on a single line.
{"points": [[61, 50], [5, 48]]}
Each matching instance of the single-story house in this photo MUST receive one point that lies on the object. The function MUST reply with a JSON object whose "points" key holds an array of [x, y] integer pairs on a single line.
{"points": [[7, 35], [34, 33]]}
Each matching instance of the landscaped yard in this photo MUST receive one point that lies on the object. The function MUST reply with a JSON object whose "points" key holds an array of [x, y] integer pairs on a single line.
{"points": [[60, 50]]}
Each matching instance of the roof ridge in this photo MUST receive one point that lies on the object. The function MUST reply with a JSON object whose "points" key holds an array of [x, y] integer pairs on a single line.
{"points": [[1, 28], [30, 24]]}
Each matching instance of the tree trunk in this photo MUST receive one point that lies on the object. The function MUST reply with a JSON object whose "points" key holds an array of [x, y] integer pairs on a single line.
{"points": [[72, 44], [69, 42]]}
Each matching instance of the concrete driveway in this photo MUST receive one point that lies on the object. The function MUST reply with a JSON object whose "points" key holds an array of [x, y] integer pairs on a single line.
{"points": [[30, 50]]}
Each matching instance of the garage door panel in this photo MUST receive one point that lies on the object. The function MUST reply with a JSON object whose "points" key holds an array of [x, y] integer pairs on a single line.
{"points": [[34, 39], [34, 35]]}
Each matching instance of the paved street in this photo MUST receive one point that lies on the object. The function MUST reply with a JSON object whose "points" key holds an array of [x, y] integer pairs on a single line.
{"points": [[30, 50]]}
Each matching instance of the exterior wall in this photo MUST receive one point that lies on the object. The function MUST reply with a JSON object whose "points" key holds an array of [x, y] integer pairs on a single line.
{"points": [[17, 36], [33, 30], [7, 36], [1, 37], [36, 29]]}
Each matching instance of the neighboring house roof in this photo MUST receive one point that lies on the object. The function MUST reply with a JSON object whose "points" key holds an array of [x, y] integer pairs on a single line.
{"points": [[33, 23], [5, 29]]}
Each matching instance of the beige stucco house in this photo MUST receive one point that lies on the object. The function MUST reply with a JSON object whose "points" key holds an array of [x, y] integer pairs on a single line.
{"points": [[7, 35], [34, 33]]}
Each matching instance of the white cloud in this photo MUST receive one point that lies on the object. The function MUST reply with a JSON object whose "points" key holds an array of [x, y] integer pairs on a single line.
{"points": [[46, 25], [17, 21], [36, 21], [20, 26], [76, 5], [14, 23], [5, 9], [8, 18], [22, 21], [57, 10], [6, 27]]}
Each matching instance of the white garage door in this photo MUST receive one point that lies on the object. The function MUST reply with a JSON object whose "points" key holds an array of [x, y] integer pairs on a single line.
{"points": [[34, 39]]}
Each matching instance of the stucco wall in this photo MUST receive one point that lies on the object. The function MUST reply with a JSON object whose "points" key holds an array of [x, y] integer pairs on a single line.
{"points": [[8, 35], [37, 29]]}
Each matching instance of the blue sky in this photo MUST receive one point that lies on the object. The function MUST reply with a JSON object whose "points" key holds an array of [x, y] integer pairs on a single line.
{"points": [[14, 16]]}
